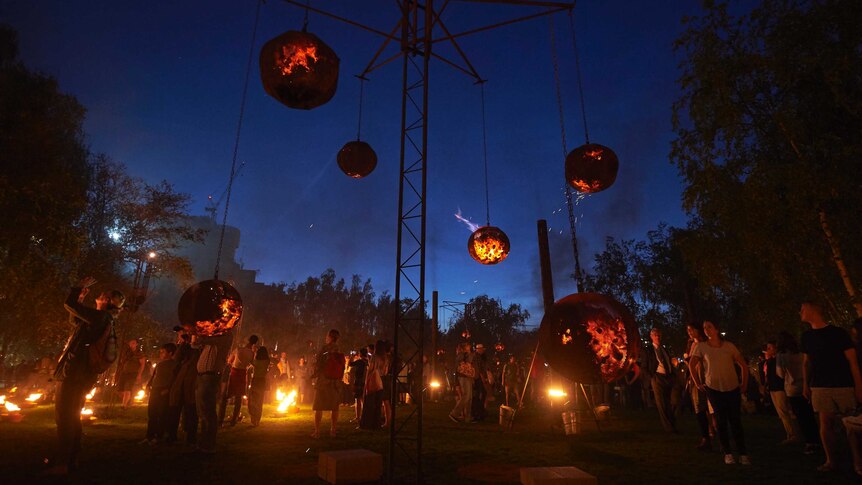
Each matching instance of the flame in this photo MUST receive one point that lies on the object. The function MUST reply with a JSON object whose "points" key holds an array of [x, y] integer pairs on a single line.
{"points": [[2, 399], [287, 401], [567, 337], [91, 394], [584, 186], [557, 393], [11, 407], [609, 343], [140, 395], [595, 153], [230, 313], [34, 397], [279, 395], [489, 249], [293, 56], [435, 384], [86, 412], [470, 225]]}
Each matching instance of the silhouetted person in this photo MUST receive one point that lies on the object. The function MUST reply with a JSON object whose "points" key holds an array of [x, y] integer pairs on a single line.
{"points": [[74, 372]]}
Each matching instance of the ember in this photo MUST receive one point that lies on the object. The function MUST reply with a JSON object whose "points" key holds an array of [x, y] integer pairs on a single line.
{"points": [[488, 245], [591, 168], [295, 56], [299, 70], [212, 306], [587, 337]]}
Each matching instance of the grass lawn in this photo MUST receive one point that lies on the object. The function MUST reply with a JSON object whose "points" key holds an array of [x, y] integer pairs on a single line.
{"points": [[630, 449]]}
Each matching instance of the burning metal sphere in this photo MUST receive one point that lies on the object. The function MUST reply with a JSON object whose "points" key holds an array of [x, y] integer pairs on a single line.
{"points": [[441, 352], [588, 336], [357, 159], [299, 70], [591, 168], [488, 245], [212, 306], [465, 334], [500, 347]]}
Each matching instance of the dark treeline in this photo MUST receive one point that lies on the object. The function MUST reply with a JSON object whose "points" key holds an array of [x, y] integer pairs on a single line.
{"points": [[67, 212], [768, 145]]}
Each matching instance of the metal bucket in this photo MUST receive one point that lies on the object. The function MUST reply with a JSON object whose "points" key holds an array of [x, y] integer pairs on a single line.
{"points": [[571, 424], [507, 414]]}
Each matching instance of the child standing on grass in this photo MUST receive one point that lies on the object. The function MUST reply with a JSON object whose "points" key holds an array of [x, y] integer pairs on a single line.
{"points": [[160, 388], [260, 366]]}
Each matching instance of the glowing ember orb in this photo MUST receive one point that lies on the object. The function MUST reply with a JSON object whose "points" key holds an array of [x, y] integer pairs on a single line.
{"points": [[488, 245], [500, 347], [299, 70], [591, 168], [212, 306], [587, 337], [357, 159], [465, 334], [441, 352]]}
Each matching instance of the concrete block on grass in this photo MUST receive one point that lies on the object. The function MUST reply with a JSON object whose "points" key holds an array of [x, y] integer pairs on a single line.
{"points": [[350, 466], [558, 475]]}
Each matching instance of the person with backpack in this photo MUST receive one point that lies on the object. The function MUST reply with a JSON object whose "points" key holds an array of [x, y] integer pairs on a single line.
{"points": [[328, 371], [90, 350]]}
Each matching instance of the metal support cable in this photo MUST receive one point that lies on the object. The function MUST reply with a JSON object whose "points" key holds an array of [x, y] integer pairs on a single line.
{"points": [[238, 132], [485, 155], [361, 92], [580, 78], [569, 202]]}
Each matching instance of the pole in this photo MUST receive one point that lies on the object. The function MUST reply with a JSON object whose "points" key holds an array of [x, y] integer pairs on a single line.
{"points": [[435, 326], [547, 293]]}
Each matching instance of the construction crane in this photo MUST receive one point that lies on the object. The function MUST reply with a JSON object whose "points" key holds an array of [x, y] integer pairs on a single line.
{"points": [[213, 204]]}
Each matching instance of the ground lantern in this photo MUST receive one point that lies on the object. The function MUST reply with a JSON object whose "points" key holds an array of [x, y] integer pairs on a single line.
{"points": [[488, 245], [299, 70], [588, 337], [591, 168], [212, 306]]}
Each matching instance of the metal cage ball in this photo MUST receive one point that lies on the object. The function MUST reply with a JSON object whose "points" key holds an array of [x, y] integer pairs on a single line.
{"points": [[213, 307], [299, 70], [589, 337], [488, 245], [357, 159], [591, 168]]}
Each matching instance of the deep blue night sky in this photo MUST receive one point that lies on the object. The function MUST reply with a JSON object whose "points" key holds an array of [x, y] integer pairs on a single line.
{"points": [[162, 85]]}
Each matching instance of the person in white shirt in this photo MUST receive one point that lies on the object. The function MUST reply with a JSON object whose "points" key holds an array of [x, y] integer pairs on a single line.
{"points": [[716, 359]]}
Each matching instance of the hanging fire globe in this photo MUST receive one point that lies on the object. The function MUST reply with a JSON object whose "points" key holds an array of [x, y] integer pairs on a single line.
{"points": [[299, 70], [488, 245], [588, 337], [357, 159], [591, 168], [499, 347], [212, 306], [465, 334]]}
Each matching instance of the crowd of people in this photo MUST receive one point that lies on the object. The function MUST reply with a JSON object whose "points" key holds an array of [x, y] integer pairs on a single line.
{"points": [[811, 386]]}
